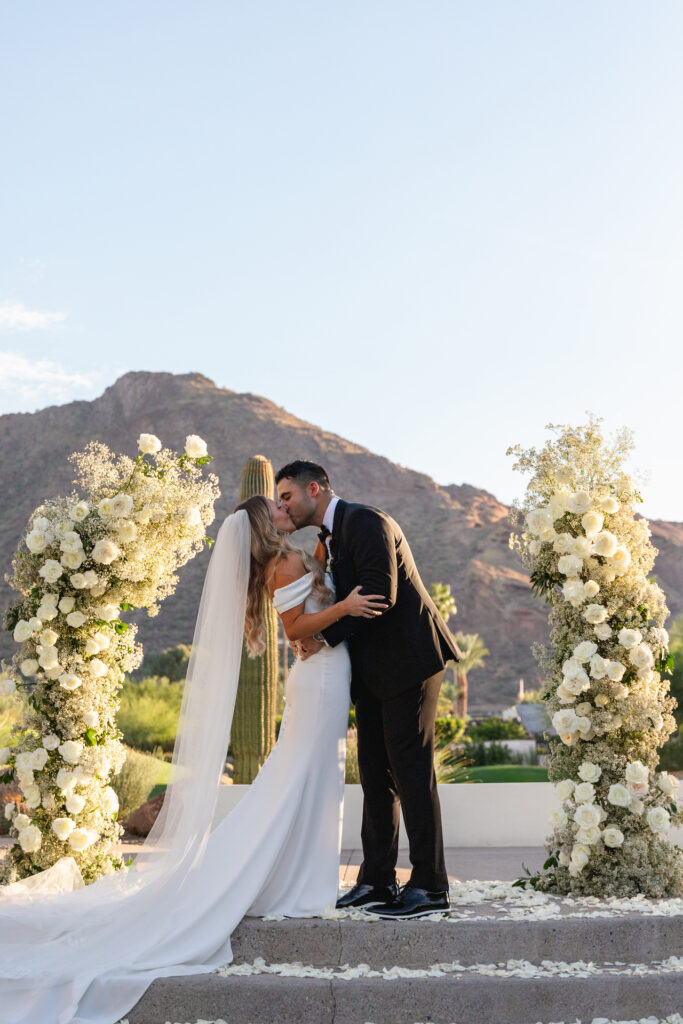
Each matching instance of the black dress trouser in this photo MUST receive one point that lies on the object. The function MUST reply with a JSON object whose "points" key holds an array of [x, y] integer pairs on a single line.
{"points": [[396, 765]]}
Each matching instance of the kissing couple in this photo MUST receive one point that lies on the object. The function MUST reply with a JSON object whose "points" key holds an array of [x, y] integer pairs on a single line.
{"points": [[365, 629]]}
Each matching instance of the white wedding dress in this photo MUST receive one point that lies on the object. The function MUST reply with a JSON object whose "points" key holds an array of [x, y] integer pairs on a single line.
{"points": [[85, 955]]}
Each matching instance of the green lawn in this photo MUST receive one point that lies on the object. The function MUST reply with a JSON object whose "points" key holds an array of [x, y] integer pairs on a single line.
{"points": [[508, 773]]}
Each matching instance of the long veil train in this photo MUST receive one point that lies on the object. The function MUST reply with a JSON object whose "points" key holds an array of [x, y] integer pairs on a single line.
{"points": [[86, 954]]}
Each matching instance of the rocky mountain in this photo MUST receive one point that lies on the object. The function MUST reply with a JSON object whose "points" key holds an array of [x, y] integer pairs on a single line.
{"points": [[458, 533]]}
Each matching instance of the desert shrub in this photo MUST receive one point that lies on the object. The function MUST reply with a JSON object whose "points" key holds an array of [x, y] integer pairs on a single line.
{"points": [[148, 715], [352, 772], [135, 781], [671, 754], [497, 729]]}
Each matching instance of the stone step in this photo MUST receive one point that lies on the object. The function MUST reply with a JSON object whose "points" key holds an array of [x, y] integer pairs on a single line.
{"points": [[419, 944], [466, 999]]}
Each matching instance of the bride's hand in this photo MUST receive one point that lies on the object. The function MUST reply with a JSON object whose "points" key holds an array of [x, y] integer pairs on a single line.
{"points": [[365, 605]]}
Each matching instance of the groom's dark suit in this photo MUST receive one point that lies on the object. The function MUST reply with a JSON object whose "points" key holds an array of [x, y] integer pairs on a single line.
{"points": [[397, 667]]}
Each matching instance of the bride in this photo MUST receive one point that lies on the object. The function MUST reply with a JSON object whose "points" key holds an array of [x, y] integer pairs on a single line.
{"points": [[86, 954]]}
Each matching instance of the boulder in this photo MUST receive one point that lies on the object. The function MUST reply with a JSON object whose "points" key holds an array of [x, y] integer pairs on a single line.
{"points": [[141, 820]]}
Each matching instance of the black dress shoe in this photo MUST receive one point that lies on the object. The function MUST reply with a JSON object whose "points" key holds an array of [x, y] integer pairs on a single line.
{"points": [[414, 902], [363, 895]]}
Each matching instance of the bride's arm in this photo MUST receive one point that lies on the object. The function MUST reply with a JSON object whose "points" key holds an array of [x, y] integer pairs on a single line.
{"points": [[298, 624]]}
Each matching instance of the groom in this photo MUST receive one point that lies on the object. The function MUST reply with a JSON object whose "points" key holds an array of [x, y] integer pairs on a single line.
{"points": [[397, 668]]}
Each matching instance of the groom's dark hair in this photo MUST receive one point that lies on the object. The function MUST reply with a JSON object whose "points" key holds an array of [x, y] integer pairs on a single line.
{"points": [[304, 472]]}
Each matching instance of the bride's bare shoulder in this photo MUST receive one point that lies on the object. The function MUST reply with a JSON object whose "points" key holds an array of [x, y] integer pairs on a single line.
{"points": [[284, 569]]}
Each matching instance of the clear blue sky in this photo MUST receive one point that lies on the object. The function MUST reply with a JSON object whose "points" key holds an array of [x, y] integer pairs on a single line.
{"points": [[431, 227]]}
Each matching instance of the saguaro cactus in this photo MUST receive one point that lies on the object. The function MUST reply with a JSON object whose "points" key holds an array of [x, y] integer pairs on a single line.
{"points": [[253, 724]]}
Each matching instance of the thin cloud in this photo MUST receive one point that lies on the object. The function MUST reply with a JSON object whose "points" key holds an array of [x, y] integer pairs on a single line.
{"points": [[28, 385], [14, 316]]}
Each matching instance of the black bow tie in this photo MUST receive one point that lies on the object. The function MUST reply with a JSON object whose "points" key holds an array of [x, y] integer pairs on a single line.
{"points": [[323, 535]]}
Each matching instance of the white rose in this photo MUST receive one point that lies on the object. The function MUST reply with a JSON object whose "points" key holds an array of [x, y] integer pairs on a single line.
{"points": [[534, 548], [590, 589], [564, 789], [90, 579], [584, 793], [35, 624], [658, 819], [10, 808], [636, 806], [585, 650], [51, 570], [22, 631], [584, 708], [29, 667], [564, 695], [620, 692], [589, 772], [51, 741], [598, 667], [104, 508], [558, 818], [75, 619], [71, 541], [39, 758], [620, 560], [191, 517], [592, 522], [605, 544], [667, 783], [601, 700], [70, 681], [91, 646], [149, 444], [99, 589], [563, 543], [565, 720], [97, 668], [619, 795], [603, 631], [576, 684], [65, 780], [63, 527], [569, 565], [587, 815], [108, 612], [67, 604], [572, 591], [91, 719], [589, 836], [612, 836], [46, 612], [72, 559], [641, 656], [80, 510], [48, 658], [29, 838], [71, 751], [81, 838], [579, 856], [36, 542], [78, 581], [583, 725], [127, 531], [63, 827], [629, 638], [121, 505], [195, 447], [637, 772], [582, 547], [4, 755], [105, 552], [102, 640], [21, 821], [538, 520], [579, 501], [615, 671], [110, 801], [595, 613], [49, 638], [609, 505], [75, 803]]}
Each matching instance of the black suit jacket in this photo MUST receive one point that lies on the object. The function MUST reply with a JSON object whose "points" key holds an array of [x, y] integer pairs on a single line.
{"points": [[409, 641]]}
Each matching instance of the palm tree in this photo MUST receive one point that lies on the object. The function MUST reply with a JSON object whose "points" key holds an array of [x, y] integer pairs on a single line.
{"points": [[473, 655]]}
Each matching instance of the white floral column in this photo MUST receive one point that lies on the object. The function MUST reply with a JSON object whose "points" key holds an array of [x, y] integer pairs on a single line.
{"points": [[84, 559], [608, 696]]}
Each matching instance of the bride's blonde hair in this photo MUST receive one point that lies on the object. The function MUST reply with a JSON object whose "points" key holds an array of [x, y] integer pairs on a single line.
{"points": [[268, 543]]}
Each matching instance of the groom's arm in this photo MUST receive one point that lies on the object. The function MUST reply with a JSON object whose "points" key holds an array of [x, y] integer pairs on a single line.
{"points": [[373, 553]]}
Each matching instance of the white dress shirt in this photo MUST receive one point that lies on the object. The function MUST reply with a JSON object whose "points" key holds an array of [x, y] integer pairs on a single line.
{"points": [[328, 520]]}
